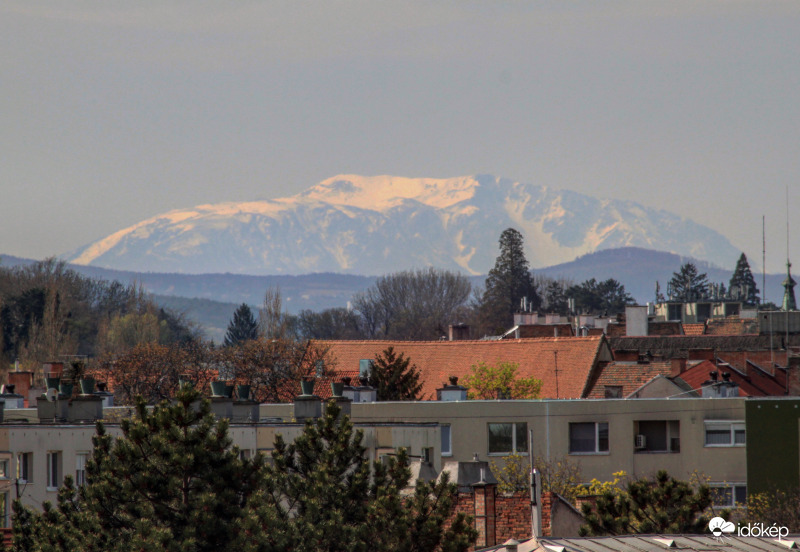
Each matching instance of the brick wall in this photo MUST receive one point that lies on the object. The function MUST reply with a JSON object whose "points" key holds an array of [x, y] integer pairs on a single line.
{"points": [[513, 516], [500, 517]]}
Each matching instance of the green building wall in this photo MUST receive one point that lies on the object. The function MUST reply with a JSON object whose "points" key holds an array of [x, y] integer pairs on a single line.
{"points": [[773, 444]]}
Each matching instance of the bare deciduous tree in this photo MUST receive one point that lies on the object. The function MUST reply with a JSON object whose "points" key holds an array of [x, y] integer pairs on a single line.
{"points": [[273, 367], [417, 304]]}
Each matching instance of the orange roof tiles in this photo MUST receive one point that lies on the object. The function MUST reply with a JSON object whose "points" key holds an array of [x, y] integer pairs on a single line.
{"points": [[628, 375], [575, 357], [694, 329]]}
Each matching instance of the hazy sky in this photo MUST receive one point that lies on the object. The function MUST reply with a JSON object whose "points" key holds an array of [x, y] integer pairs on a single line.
{"points": [[112, 112]]}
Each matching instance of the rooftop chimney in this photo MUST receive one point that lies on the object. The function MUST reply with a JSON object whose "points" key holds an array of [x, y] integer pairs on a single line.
{"points": [[307, 405], [678, 366], [636, 321], [458, 332], [452, 392], [713, 388]]}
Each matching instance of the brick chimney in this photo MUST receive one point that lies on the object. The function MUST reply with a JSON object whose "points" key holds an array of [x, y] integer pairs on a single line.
{"points": [[485, 516], [458, 332], [678, 367], [22, 382]]}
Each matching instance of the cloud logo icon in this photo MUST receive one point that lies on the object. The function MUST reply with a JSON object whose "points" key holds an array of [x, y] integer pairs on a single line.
{"points": [[718, 526]]}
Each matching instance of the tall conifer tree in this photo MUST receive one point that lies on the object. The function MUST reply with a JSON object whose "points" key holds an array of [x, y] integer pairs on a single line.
{"points": [[509, 281], [242, 327], [688, 284], [395, 378], [742, 283], [171, 482]]}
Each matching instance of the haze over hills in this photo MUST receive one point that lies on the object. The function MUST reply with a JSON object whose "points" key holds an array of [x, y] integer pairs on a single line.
{"points": [[373, 225], [210, 299]]}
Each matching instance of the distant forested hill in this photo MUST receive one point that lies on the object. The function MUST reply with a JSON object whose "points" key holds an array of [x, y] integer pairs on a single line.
{"points": [[210, 299]]}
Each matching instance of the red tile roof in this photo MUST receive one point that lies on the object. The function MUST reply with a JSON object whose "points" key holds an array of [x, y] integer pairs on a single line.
{"points": [[754, 383], [628, 375], [577, 358], [694, 329]]}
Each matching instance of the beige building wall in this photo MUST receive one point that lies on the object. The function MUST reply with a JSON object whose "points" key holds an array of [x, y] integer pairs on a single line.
{"points": [[419, 440], [25, 467], [550, 422]]}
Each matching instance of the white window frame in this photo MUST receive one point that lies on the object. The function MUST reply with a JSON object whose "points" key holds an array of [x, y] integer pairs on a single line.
{"points": [[514, 446], [80, 468], [5, 467], [447, 438], [597, 426], [54, 470], [733, 488], [25, 467], [732, 426]]}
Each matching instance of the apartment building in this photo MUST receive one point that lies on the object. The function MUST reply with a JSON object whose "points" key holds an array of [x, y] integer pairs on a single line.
{"points": [[36, 454], [683, 436]]}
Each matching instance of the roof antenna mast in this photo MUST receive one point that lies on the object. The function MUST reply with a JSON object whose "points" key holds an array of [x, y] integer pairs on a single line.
{"points": [[763, 259]]}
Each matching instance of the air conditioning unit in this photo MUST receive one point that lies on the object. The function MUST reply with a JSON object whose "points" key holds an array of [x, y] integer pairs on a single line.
{"points": [[640, 442]]}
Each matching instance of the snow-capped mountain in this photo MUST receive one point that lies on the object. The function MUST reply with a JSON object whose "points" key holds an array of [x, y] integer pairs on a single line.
{"points": [[374, 225]]}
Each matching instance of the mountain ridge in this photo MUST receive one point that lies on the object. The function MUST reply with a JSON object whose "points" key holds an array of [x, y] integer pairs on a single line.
{"points": [[372, 225]]}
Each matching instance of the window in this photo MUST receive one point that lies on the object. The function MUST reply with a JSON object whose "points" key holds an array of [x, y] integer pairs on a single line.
{"points": [[588, 437], [80, 468], [447, 440], [25, 467], [674, 311], [53, 469], [728, 495], [427, 455], [508, 438], [731, 309], [613, 391], [725, 433], [656, 436], [4, 468], [703, 312]]}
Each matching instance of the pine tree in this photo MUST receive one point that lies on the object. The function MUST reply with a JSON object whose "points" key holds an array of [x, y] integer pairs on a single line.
{"points": [[662, 506], [395, 378], [608, 297], [171, 482], [688, 284], [242, 327], [508, 282], [743, 284], [322, 494]]}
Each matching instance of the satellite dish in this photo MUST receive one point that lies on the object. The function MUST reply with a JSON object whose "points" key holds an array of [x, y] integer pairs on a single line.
{"points": [[51, 395]]}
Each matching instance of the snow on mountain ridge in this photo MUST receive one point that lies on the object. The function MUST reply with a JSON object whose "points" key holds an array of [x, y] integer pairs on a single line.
{"points": [[382, 192], [379, 224]]}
